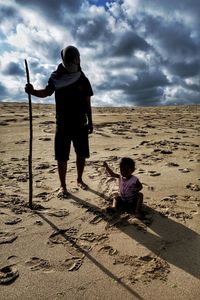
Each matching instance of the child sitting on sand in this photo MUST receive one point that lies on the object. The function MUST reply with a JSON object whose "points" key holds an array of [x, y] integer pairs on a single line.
{"points": [[129, 198]]}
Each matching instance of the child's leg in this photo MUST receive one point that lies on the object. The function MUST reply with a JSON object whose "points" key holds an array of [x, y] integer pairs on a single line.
{"points": [[116, 202], [115, 205]]}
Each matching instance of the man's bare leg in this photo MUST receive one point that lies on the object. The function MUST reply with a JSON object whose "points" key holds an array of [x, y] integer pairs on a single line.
{"points": [[80, 164], [62, 170]]}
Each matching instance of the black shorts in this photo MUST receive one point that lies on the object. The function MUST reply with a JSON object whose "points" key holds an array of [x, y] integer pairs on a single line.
{"points": [[63, 139]]}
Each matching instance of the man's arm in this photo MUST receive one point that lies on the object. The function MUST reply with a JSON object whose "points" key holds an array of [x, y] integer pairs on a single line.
{"points": [[89, 115], [108, 169], [38, 93]]}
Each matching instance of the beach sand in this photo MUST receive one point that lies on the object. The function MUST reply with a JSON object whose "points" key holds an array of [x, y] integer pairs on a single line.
{"points": [[71, 248]]}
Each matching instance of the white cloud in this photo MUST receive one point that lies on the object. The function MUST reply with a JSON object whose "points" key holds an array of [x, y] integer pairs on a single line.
{"points": [[130, 6]]}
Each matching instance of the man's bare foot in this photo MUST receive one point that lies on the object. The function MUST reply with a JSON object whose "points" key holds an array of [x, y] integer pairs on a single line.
{"points": [[63, 193], [82, 185]]}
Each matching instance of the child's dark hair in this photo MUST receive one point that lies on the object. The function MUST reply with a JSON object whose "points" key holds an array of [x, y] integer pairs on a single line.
{"points": [[127, 161]]}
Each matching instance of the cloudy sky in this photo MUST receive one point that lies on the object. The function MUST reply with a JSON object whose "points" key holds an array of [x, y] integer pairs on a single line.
{"points": [[134, 52]]}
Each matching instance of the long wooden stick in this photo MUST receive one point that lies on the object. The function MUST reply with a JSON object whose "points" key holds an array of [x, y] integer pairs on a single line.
{"points": [[30, 141]]}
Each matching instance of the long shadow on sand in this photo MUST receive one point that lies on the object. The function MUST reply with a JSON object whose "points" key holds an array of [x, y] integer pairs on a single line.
{"points": [[168, 239], [90, 257]]}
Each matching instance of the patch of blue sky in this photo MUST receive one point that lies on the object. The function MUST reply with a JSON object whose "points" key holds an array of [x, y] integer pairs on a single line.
{"points": [[5, 47], [100, 2]]}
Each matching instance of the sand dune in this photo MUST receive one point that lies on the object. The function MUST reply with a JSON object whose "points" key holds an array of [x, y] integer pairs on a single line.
{"points": [[73, 249]]}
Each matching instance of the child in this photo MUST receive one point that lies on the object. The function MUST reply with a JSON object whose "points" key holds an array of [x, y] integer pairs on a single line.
{"points": [[129, 198]]}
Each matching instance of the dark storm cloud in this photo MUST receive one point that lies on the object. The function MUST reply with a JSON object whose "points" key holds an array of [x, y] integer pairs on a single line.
{"points": [[13, 69], [91, 31], [150, 96], [142, 80], [144, 87], [183, 96], [171, 37], [175, 42], [133, 63], [192, 87], [3, 91], [171, 7], [10, 14], [7, 12], [53, 10], [50, 50], [36, 68], [185, 69], [126, 43], [148, 80]]}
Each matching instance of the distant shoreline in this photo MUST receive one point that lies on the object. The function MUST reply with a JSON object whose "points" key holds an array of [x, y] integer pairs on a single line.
{"points": [[104, 107]]}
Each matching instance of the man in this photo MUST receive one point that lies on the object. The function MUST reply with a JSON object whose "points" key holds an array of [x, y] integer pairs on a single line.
{"points": [[73, 113]]}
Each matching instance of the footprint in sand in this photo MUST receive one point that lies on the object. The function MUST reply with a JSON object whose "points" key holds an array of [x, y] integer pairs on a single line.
{"points": [[193, 187], [91, 236], [43, 166], [97, 219], [154, 173], [150, 188], [36, 264], [3, 123], [20, 142], [73, 263], [172, 164], [59, 213], [84, 245], [7, 237], [43, 195], [64, 236], [166, 151], [12, 221], [140, 171], [186, 170], [45, 139], [38, 222], [53, 170], [181, 215], [48, 130], [108, 250], [144, 268], [8, 274], [22, 178], [13, 260]]}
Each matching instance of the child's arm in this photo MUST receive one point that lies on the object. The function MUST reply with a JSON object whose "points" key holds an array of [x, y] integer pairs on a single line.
{"points": [[138, 186], [108, 169]]}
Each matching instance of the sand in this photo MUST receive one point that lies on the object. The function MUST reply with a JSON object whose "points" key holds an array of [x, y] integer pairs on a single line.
{"points": [[71, 248]]}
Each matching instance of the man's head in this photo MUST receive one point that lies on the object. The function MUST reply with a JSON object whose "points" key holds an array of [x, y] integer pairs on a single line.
{"points": [[71, 59]]}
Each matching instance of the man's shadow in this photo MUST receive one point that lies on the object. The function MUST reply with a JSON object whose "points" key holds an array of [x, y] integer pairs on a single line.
{"points": [[168, 239]]}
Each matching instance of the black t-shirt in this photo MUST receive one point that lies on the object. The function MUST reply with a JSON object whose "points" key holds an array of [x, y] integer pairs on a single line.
{"points": [[71, 104]]}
